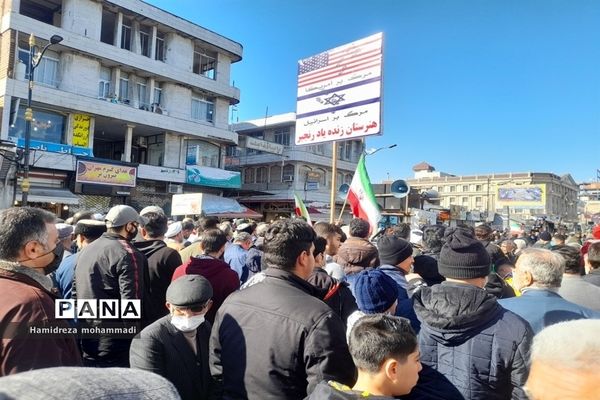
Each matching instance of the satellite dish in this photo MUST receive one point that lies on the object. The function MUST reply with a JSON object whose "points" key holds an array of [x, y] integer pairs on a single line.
{"points": [[343, 191], [399, 189]]}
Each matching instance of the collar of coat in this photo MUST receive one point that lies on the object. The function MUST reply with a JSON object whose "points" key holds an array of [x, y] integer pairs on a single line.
{"points": [[14, 270], [296, 281]]}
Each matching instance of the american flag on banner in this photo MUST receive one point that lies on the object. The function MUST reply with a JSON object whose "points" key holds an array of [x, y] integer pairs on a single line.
{"points": [[341, 61]]}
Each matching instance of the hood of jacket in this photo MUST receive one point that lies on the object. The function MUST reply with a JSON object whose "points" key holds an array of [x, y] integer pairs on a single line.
{"points": [[149, 247], [211, 267], [453, 312], [356, 254], [336, 391]]}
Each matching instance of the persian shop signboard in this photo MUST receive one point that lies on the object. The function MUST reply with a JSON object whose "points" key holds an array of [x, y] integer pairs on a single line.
{"points": [[105, 174]]}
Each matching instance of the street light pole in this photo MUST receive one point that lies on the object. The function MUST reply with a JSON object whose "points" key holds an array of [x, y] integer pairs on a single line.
{"points": [[34, 61]]}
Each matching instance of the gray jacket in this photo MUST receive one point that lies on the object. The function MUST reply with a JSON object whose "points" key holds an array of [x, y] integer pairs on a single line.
{"points": [[576, 290]]}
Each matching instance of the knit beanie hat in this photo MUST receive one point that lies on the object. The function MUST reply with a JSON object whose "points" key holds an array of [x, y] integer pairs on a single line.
{"points": [[462, 256], [545, 236], [393, 250], [375, 291]]}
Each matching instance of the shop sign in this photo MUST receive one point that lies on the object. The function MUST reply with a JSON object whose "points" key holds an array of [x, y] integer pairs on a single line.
{"points": [[105, 174], [213, 177]]}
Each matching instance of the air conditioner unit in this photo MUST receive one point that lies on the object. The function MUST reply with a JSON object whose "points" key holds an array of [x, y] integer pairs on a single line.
{"points": [[174, 188], [288, 178], [141, 141]]}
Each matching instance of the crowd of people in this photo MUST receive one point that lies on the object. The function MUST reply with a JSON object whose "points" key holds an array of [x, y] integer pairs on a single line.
{"points": [[286, 310]]}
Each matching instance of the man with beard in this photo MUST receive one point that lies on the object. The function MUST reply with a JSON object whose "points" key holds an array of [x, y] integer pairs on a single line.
{"points": [[112, 268], [471, 347], [29, 249]]}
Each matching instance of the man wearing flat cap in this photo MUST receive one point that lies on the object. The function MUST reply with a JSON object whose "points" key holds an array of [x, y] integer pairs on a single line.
{"points": [[112, 268], [176, 346]]}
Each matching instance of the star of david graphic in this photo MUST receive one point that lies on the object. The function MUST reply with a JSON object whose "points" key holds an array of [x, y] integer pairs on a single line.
{"points": [[334, 99]]}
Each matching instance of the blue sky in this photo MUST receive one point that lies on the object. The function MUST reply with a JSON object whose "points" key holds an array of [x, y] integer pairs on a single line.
{"points": [[469, 86]]}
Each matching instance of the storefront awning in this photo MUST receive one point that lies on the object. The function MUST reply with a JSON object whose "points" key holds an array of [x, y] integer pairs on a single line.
{"points": [[49, 195]]}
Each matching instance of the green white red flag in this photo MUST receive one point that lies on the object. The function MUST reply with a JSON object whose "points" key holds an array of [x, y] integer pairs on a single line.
{"points": [[300, 209], [361, 197]]}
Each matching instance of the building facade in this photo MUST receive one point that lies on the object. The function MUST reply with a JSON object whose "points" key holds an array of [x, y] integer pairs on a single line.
{"points": [[273, 168], [131, 106], [521, 195]]}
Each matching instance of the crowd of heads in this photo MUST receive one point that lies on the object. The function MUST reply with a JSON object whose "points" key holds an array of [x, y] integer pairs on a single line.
{"points": [[383, 347]]}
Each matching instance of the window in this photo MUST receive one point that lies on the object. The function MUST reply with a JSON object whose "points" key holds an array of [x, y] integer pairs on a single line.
{"points": [[249, 175], [126, 35], [452, 200], [348, 178], [453, 188], [478, 202], [204, 64], [46, 73], [141, 91], [478, 188], [345, 150], [465, 201], [144, 41], [275, 174], [465, 188], [46, 126], [282, 136], [261, 174], [124, 87], [202, 109], [288, 172], [203, 153], [157, 94], [160, 48], [104, 83]]}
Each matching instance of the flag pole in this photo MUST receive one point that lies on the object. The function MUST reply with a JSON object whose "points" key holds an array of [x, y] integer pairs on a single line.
{"points": [[333, 183], [342, 211]]}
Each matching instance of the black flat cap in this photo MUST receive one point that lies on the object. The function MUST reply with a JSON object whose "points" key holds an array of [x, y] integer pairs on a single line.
{"points": [[189, 291]]}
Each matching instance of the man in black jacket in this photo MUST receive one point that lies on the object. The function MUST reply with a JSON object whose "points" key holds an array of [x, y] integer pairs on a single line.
{"points": [[111, 268], [275, 339], [334, 293], [176, 346], [471, 347], [162, 261]]}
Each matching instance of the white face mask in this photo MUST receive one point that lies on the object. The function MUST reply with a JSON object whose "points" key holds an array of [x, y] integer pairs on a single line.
{"points": [[187, 324]]}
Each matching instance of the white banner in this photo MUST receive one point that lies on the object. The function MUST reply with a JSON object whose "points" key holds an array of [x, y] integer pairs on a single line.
{"points": [[339, 93]]}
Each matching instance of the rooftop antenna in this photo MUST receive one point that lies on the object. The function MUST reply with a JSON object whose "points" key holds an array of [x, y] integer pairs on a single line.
{"points": [[266, 115]]}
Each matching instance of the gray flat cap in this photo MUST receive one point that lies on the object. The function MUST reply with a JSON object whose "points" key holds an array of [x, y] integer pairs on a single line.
{"points": [[121, 215], [189, 291]]}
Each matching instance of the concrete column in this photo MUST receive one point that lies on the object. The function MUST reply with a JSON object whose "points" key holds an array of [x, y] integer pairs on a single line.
{"points": [[69, 129], [92, 128], [5, 127], [153, 42], [136, 45], [151, 84], [128, 142], [118, 29]]}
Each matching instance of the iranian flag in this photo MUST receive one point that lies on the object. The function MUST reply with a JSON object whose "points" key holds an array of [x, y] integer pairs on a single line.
{"points": [[300, 209], [361, 198]]}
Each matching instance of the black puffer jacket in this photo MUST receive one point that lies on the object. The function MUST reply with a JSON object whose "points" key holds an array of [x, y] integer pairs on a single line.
{"points": [[276, 340], [471, 347], [335, 294]]}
